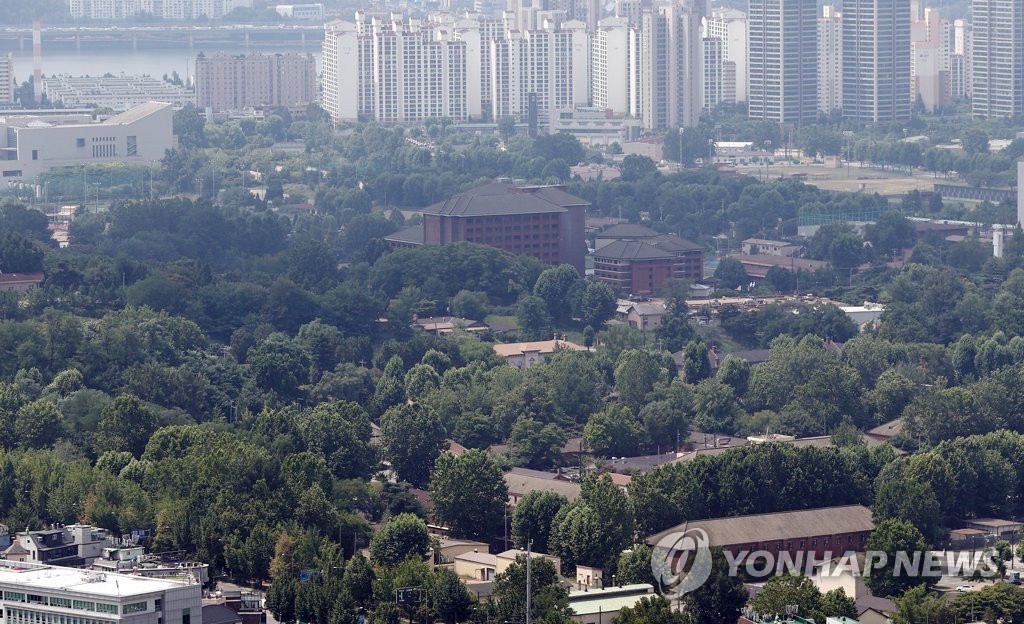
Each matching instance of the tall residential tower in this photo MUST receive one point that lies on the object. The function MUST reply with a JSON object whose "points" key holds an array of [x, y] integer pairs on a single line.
{"points": [[997, 58], [876, 60], [783, 60]]}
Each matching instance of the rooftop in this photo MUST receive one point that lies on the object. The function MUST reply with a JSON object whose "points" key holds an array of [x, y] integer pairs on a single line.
{"points": [[627, 230], [412, 235], [779, 526], [542, 347], [100, 584], [520, 485], [499, 199], [632, 250]]}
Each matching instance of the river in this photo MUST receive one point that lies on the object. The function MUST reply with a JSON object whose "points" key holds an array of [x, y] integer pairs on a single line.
{"points": [[133, 62]]}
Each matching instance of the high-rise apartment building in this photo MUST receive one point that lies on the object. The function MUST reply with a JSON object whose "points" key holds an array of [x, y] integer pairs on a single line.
{"points": [[997, 58], [163, 9], [610, 62], [961, 69], [670, 65], [7, 79], [227, 82], [536, 72], [713, 65], [730, 26], [830, 60], [931, 41], [783, 60], [388, 68], [876, 60]]}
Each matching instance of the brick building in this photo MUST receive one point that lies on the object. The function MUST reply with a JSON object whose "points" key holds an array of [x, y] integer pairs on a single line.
{"points": [[641, 261], [229, 82], [545, 222], [826, 531]]}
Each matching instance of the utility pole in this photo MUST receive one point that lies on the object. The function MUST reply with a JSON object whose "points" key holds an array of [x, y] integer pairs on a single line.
{"points": [[529, 547]]}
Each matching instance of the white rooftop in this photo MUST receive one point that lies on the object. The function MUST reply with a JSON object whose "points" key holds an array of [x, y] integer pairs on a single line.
{"points": [[98, 584]]}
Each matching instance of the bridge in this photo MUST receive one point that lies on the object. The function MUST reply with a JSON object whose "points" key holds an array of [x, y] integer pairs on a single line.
{"points": [[161, 37], [976, 193]]}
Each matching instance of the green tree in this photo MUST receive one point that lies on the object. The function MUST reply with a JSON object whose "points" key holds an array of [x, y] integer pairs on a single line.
{"points": [[19, 254], [449, 597], [912, 501], [720, 599], [614, 431], [636, 373], [731, 273], [597, 304], [398, 539], [696, 365], [549, 599], [650, 610], [470, 304], [421, 380], [536, 445], [412, 438], [125, 425], [635, 566], [892, 537], [787, 589], [735, 373], [596, 527], [533, 516], [469, 494], [532, 318], [281, 598], [715, 408], [555, 287], [280, 365], [38, 424]]}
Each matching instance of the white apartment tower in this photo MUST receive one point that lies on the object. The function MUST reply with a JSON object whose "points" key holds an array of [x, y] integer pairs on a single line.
{"points": [[670, 65], [714, 71], [783, 60], [7, 79], [876, 60], [730, 26], [229, 82], [997, 58], [548, 67], [610, 65], [830, 60], [931, 60]]}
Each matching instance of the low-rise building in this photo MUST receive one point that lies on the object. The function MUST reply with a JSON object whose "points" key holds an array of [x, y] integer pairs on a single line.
{"points": [[311, 12], [31, 145], [135, 560], [43, 594], [75, 545], [20, 282], [642, 315], [826, 531], [441, 325], [599, 606], [765, 247], [520, 484], [757, 267], [118, 93], [527, 354]]}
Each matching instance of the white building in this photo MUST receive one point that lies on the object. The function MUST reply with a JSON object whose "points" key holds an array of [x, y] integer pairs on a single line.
{"points": [[33, 145], [830, 60], [730, 26], [931, 62], [42, 594], [610, 65], [119, 93], [237, 82], [164, 9], [312, 12], [7, 83], [714, 71], [76, 545], [670, 65]]}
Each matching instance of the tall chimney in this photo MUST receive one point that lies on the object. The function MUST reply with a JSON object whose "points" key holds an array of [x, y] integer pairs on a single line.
{"points": [[37, 58]]}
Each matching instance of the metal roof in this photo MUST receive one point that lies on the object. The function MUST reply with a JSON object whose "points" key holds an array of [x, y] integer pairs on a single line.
{"points": [[779, 526]]}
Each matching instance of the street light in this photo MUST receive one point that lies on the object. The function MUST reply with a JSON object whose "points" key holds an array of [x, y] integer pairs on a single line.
{"points": [[767, 149]]}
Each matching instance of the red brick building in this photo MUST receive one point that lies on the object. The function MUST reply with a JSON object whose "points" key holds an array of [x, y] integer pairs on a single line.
{"points": [[641, 261], [826, 531], [545, 222]]}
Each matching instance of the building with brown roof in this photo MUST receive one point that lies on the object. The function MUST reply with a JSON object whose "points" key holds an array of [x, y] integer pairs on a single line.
{"points": [[520, 484], [819, 531], [527, 354], [758, 266], [544, 222], [20, 282], [641, 263]]}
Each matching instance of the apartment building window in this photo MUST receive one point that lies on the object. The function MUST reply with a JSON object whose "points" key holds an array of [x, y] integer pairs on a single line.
{"points": [[135, 607], [35, 154], [186, 616], [79, 142], [133, 146]]}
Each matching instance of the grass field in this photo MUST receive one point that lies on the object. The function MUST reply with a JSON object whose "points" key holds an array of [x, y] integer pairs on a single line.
{"points": [[852, 179]]}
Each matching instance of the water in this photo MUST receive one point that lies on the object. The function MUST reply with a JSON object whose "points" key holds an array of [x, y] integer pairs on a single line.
{"points": [[135, 62]]}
